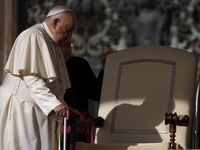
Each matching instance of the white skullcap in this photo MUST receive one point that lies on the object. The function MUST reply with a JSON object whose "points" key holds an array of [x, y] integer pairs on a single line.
{"points": [[58, 9]]}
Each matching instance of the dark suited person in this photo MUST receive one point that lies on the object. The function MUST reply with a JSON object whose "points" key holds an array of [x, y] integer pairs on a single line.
{"points": [[84, 85]]}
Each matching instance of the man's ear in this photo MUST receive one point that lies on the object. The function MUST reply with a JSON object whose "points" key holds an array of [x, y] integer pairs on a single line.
{"points": [[55, 23]]}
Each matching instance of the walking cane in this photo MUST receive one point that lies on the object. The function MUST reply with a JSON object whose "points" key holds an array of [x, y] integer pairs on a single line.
{"points": [[65, 134]]}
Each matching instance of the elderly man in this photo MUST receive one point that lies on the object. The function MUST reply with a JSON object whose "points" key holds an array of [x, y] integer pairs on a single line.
{"points": [[31, 96]]}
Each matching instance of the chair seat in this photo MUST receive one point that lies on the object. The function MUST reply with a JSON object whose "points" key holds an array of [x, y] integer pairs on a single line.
{"points": [[123, 146]]}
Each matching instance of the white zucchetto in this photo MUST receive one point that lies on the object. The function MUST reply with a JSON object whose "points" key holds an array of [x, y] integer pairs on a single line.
{"points": [[58, 9]]}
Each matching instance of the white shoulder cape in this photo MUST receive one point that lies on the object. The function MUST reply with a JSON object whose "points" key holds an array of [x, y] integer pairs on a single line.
{"points": [[30, 54]]}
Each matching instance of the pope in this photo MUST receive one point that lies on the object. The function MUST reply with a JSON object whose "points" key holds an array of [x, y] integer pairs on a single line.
{"points": [[31, 96]]}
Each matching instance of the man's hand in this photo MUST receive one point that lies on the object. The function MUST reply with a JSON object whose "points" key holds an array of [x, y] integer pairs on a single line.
{"points": [[76, 111], [62, 111]]}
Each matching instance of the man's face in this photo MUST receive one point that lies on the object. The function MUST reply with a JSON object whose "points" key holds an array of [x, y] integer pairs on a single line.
{"points": [[65, 28], [67, 50]]}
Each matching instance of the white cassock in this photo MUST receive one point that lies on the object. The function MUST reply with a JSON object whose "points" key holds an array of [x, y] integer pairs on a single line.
{"points": [[35, 83]]}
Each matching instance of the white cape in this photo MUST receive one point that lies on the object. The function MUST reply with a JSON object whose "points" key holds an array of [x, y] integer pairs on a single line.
{"points": [[23, 124]]}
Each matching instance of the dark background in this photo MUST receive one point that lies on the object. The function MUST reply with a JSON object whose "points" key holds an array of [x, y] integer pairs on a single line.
{"points": [[117, 24]]}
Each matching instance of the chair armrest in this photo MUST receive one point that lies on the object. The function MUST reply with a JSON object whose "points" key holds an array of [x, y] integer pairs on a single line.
{"points": [[173, 120], [92, 121], [74, 122]]}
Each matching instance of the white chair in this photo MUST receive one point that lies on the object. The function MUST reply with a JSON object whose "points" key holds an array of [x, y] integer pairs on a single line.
{"points": [[141, 85]]}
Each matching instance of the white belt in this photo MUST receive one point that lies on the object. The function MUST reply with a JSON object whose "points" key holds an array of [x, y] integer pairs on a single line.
{"points": [[11, 83], [17, 87]]}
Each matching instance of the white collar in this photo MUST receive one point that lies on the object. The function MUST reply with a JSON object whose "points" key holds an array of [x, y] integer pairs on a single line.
{"points": [[44, 25]]}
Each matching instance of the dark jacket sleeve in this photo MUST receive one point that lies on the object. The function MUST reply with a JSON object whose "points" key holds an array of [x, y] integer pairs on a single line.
{"points": [[85, 84]]}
